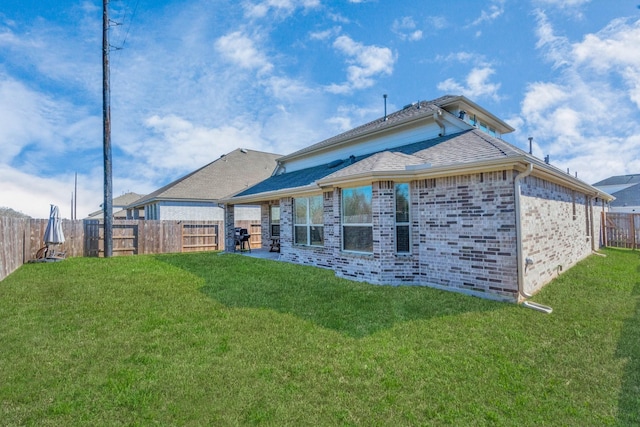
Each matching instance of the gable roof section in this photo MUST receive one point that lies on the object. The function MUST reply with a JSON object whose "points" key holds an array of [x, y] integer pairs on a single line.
{"points": [[467, 146], [464, 147], [416, 111], [223, 177]]}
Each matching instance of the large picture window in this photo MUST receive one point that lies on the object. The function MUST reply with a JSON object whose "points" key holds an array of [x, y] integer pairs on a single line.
{"points": [[403, 241], [357, 219], [308, 221]]}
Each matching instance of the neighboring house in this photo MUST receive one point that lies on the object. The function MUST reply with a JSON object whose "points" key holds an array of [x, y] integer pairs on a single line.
{"points": [[429, 195], [625, 189], [194, 197], [118, 206]]}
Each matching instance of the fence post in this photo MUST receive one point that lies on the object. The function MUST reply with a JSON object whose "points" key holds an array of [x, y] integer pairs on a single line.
{"points": [[633, 230]]}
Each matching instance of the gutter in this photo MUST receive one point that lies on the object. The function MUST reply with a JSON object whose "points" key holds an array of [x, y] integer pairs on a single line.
{"points": [[522, 263]]}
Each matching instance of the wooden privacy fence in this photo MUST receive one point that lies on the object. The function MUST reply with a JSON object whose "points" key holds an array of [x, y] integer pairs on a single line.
{"points": [[622, 230], [132, 237], [21, 238]]}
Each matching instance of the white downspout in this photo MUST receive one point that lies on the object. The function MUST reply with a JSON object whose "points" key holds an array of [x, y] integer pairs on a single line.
{"points": [[520, 256]]}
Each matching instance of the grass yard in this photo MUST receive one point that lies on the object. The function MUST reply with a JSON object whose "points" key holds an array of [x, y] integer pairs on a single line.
{"points": [[221, 339]]}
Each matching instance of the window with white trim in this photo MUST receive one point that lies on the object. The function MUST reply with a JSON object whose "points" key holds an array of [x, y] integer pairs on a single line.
{"points": [[357, 219], [403, 240], [308, 221]]}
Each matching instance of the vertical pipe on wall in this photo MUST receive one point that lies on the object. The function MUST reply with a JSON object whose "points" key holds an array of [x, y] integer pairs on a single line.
{"points": [[520, 256]]}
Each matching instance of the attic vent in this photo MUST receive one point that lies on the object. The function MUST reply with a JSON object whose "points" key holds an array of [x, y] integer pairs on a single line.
{"points": [[335, 163], [409, 105]]}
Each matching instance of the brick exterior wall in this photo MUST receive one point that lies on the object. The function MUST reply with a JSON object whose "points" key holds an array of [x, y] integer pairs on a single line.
{"points": [[463, 234], [467, 233], [559, 228]]}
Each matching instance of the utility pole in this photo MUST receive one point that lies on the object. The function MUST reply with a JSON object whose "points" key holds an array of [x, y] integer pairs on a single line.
{"points": [[107, 206]]}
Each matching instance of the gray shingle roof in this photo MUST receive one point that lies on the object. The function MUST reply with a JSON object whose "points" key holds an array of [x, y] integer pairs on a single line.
{"points": [[619, 180], [427, 108], [225, 176], [630, 196], [467, 146]]}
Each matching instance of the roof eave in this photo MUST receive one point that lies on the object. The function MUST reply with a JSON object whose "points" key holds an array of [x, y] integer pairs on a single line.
{"points": [[426, 171], [461, 99], [272, 195]]}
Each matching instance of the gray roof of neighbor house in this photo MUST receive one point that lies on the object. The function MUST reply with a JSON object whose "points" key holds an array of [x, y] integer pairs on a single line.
{"points": [[231, 173], [619, 180], [629, 196], [118, 202], [464, 147]]}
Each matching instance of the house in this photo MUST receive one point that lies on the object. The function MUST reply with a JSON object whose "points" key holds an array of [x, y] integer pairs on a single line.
{"points": [[625, 189], [429, 195], [194, 197], [118, 206]]}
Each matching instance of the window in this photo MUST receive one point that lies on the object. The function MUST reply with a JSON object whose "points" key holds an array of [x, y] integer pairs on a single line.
{"points": [[357, 219], [308, 221], [275, 220], [403, 241]]}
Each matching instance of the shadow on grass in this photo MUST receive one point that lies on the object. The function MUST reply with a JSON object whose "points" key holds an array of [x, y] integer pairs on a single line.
{"points": [[351, 308], [629, 347]]}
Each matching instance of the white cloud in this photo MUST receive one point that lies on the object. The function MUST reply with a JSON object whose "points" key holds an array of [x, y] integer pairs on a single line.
{"points": [[570, 9], [476, 85], [406, 29], [366, 62], [613, 51], [556, 49], [182, 144], [585, 119], [564, 3], [437, 22], [463, 57], [495, 11], [32, 194], [241, 50], [282, 8], [326, 34]]}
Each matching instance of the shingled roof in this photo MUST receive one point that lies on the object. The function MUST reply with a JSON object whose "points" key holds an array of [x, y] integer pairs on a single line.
{"points": [[629, 196], [464, 147], [619, 180], [426, 108], [223, 177]]}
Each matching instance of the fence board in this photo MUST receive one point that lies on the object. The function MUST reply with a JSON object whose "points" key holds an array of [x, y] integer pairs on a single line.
{"points": [[622, 230]]}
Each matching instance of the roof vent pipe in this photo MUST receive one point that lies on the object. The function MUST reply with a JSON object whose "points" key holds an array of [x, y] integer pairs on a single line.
{"points": [[530, 145], [385, 106], [437, 116]]}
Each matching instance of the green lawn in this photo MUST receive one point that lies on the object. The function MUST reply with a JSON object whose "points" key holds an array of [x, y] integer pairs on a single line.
{"points": [[220, 339]]}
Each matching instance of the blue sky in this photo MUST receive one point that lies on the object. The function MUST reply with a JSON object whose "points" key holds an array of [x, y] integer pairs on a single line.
{"points": [[192, 80]]}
